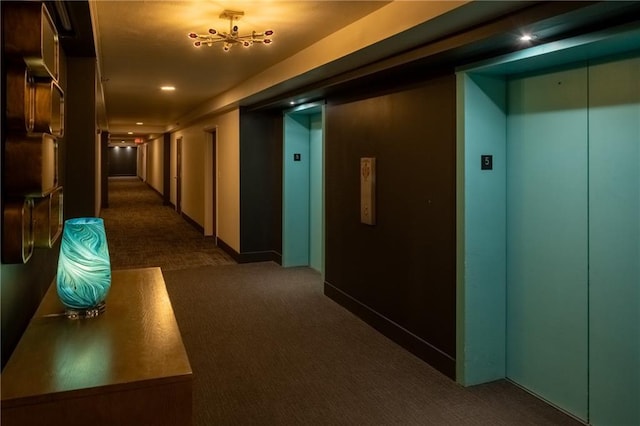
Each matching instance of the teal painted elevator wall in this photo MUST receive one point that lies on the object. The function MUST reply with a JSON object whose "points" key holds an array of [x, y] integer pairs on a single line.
{"points": [[481, 277], [547, 239], [614, 242], [295, 211]]}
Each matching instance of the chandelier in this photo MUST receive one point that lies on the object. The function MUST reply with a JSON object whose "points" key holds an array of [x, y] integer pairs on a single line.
{"points": [[233, 37]]}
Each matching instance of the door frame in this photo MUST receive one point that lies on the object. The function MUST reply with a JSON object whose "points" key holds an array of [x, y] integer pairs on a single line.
{"points": [[178, 176], [211, 181]]}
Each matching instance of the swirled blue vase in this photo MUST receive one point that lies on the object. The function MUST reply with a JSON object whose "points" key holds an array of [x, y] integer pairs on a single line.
{"points": [[84, 268]]}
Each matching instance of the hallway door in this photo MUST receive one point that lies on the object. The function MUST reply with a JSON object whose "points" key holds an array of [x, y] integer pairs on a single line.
{"points": [[547, 232], [178, 176], [214, 184]]}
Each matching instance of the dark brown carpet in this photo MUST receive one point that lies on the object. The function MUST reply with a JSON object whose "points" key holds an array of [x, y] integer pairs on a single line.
{"points": [[268, 348], [142, 232]]}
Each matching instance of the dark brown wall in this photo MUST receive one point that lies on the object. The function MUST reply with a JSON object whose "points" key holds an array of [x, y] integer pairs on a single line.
{"points": [[79, 149], [260, 186], [399, 274], [104, 169], [123, 161], [23, 286]]}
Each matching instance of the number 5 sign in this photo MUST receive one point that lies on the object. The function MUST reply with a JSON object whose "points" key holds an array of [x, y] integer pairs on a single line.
{"points": [[486, 162]]}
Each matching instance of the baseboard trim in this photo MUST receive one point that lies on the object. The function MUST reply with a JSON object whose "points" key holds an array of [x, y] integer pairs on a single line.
{"points": [[414, 344], [250, 257], [192, 223], [261, 256], [153, 189]]}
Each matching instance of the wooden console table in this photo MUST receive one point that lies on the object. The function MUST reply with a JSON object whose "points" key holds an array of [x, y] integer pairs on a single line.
{"points": [[127, 366]]}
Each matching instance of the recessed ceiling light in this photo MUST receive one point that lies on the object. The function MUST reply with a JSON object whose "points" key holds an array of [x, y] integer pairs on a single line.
{"points": [[292, 103], [167, 88], [527, 37], [129, 133], [121, 141], [139, 123]]}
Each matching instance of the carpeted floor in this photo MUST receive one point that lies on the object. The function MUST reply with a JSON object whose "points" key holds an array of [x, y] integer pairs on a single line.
{"points": [[268, 348], [142, 232]]}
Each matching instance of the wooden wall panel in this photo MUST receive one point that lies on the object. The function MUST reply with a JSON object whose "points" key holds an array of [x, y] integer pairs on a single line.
{"points": [[261, 186], [400, 273]]}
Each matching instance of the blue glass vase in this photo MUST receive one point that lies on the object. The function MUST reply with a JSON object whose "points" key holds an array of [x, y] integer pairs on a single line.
{"points": [[84, 268]]}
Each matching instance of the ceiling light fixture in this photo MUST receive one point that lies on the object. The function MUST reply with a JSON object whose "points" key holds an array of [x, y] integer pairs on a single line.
{"points": [[139, 123], [231, 38], [129, 133], [168, 88], [527, 37]]}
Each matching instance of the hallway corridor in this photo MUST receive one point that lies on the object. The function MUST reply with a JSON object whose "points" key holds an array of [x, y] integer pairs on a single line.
{"points": [[142, 232]]}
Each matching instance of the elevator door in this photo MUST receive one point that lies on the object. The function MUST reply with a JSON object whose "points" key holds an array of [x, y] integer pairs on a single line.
{"points": [[614, 242], [547, 237]]}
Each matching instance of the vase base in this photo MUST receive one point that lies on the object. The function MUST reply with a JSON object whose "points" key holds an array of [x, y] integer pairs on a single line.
{"points": [[85, 313]]}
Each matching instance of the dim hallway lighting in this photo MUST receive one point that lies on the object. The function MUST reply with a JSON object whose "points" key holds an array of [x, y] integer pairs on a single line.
{"points": [[233, 37]]}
